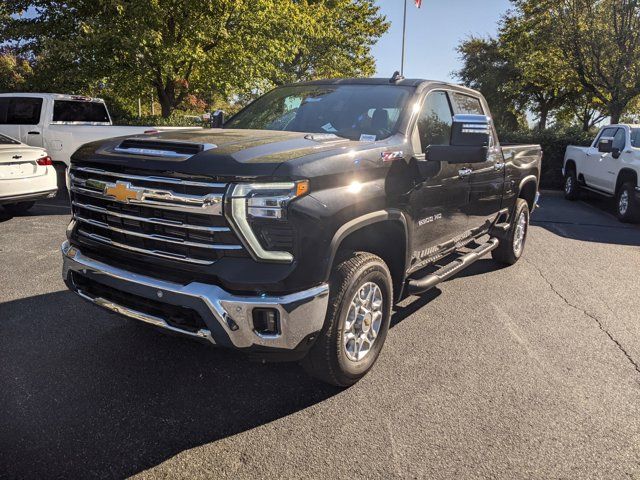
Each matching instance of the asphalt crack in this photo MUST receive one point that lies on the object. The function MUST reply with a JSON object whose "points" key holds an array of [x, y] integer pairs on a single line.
{"points": [[586, 313]]}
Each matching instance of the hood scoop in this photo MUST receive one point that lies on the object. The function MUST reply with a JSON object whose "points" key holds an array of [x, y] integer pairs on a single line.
{"points": [[161, 148]]}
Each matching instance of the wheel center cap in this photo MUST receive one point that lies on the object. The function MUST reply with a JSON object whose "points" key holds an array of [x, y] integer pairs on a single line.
{"points": [[366, 323]]}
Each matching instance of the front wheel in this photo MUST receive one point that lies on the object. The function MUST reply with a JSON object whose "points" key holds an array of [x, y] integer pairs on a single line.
{"points": [[357, 321], [627, 208], [512, 245], [571, 187]]}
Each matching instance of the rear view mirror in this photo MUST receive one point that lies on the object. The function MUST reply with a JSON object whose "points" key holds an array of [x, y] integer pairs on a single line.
{"points": [[605, 145]]}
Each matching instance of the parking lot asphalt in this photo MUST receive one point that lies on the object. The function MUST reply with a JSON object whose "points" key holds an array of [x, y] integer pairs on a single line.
{"points": [[531, 371]]}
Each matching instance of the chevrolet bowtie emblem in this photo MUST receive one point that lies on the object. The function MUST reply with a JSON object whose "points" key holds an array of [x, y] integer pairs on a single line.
{"points": [[123, 192]]}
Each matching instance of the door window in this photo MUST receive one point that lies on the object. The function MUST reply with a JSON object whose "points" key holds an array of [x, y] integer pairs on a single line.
{"points": [[435, 120], [619, 139], [606, 133], [78, 111], [466, 104], [20, 110]]}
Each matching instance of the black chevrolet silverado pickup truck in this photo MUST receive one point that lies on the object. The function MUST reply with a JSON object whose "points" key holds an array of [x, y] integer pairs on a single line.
{"points": [[291, 232]]}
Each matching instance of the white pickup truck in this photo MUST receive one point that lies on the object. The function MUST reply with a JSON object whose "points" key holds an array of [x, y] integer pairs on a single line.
{"points": [[610, 167], [61, 123]]}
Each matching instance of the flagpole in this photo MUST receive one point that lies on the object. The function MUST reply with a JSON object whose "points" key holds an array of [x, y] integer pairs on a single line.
{"points": [[404, 29]]}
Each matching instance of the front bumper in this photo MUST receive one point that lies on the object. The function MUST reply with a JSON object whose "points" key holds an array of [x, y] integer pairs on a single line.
{"points": [[228, 317]]}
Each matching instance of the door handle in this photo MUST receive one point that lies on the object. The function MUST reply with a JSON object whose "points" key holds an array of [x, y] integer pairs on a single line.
{"points": [[33, 133], [464, 172], [499, 167]]}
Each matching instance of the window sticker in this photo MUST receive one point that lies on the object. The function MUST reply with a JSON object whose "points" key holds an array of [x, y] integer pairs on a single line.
{"points": [[327, 127], [367, 138]]}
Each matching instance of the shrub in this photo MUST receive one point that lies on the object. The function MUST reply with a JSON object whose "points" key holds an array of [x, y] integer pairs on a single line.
{"points": [[554, 144], [175, 120]]}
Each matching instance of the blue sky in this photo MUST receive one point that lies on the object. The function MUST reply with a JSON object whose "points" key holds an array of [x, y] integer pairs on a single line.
{"points": [[433, 33]]}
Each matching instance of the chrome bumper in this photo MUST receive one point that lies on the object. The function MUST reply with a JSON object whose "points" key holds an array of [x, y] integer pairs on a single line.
{"points": [[228, 316]]}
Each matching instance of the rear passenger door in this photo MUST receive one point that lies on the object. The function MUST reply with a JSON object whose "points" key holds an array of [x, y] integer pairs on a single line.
{"points": [[486, 180]]}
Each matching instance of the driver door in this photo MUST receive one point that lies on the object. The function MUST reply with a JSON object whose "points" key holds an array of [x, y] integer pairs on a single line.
{"points": [[595, 168], [438, 202]]}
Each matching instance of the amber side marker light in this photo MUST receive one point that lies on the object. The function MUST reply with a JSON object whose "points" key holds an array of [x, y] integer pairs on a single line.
{"points": [[302, 188]]}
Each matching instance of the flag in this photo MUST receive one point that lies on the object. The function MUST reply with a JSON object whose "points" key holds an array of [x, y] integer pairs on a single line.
{"points": [[418, 3]]}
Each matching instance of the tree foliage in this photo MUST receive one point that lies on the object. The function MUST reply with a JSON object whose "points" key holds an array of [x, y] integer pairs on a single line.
{"points": [[485, 68], [601, 42], [577, 61], [186, 51]]}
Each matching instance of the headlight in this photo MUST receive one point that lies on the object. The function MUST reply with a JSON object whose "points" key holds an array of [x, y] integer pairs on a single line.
{"points": [[264, 201]]}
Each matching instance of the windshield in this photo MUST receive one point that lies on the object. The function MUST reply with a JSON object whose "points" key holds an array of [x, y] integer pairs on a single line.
{"points": [[635, 137], [358, 112], [79, 111]]}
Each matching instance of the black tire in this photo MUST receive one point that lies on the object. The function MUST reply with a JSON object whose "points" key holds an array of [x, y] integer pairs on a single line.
{"points": [[328, 359], [571, 187], [18, 208], [627, 209], [509, 252]]}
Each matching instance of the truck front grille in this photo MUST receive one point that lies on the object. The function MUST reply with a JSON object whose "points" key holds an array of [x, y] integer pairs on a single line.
{"points": [[166, 217]]}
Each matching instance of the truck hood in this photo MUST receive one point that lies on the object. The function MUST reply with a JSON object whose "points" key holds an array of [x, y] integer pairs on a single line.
{"points": [[225, 154]]}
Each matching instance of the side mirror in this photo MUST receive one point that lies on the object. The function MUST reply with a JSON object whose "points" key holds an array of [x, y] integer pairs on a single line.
{"points": [[471, 131], [470, 139], [451, 154], [217, 119], [605, 145]]}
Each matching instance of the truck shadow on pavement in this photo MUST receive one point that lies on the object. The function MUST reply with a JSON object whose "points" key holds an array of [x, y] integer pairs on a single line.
{"points": [[85, 393]]}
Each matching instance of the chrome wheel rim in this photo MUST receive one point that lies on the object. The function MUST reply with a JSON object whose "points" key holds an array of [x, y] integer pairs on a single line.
{"points": [[568, 185], [363, 322], [623, 203], [519, 234]]}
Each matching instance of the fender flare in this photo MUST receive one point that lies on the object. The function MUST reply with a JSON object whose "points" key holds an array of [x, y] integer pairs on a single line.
{"points": [[361, 222], [624, 171], [527, 179]]}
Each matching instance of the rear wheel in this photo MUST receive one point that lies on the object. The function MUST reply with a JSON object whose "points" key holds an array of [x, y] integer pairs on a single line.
{"points": [[571, 187], [512, 245], [18, 208], [627, 208], [357, 321]]}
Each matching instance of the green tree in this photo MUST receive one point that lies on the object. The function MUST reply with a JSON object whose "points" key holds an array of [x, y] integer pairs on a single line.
{"points": [[15, 72], [183, 48], [601, 41], [542, 80], [485, 68]]}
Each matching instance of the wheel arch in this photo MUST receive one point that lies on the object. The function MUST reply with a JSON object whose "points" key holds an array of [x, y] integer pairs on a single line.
{"points": [[528, 190], [570, 164], [383, 233], [626, 175]]}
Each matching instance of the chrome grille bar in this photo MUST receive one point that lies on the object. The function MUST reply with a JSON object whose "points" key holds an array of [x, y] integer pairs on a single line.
{"points": [[155, 253], [210, 204], [128, 176], [156, 237], [155, 221]]}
